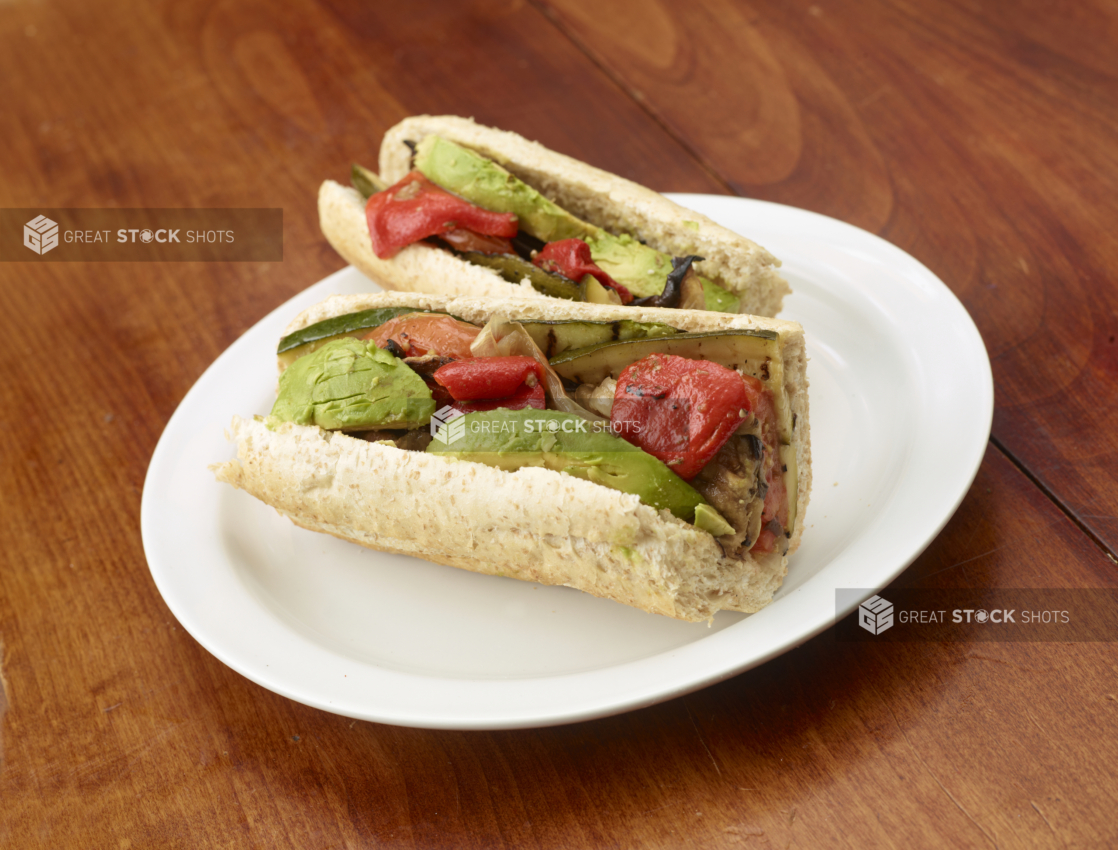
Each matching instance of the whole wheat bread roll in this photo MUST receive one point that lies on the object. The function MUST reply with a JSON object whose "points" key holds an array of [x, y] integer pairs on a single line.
{"points": [[534, 524], [618, 205]]}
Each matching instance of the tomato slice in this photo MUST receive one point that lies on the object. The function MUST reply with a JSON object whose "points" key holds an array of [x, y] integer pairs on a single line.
{"points": [[679, 410], [426, 333], [571, 258], [489, 377], [416, 208]]}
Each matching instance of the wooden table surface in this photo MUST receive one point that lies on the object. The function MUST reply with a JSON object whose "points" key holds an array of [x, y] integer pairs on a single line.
{"points": [[979, 137]]}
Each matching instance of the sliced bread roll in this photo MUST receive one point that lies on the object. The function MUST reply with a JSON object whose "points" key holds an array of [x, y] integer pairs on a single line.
{"points": [[533, 524], [618, 205]]}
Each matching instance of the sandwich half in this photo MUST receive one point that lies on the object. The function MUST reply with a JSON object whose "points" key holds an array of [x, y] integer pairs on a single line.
{"points": [[516, 490], [634, 236]]}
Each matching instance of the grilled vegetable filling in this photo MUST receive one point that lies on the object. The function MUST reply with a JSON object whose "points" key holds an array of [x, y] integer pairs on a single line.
{"points": [[694, 423], [461, 201]]}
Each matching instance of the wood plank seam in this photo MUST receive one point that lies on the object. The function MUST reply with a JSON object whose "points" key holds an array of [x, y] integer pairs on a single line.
{"points": [[1065, 509]]}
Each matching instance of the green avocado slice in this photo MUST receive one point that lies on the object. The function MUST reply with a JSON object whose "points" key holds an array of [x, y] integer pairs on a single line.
{"points": [[351, 385], [719, 300], [513, 439], [483, 182], [641, 269]]}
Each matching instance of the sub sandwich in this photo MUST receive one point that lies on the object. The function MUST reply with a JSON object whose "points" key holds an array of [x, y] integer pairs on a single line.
{"points": [[657, 457], [462, 209]]}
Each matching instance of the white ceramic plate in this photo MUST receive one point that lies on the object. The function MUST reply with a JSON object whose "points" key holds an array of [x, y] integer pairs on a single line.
{"points": [[901, 405]]}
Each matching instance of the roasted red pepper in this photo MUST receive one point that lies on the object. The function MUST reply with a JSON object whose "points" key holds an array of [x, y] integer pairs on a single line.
{"points": [[489, 378], [526, 396], [679, 410], [571, 258], [416, 208]]}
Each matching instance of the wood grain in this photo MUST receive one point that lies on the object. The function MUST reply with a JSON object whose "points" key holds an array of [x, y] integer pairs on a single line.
{"points": [[977, 137], [121, 731]]}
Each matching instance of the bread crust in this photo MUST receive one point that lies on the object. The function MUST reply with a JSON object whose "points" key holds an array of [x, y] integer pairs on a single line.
{"points": [[614, 203], [533, 524]]}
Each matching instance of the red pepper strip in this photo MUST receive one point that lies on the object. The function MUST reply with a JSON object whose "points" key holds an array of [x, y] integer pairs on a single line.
{"points": [[679, 410], [489, 377], [526, 396], [416, 208], [571, 258]]}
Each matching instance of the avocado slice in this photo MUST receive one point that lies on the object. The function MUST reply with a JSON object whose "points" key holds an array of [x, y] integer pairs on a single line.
{"points": [[483, 182], [556, 337], [641, 269], [644, 270], [718, 299], [712, 522], [512, 439], [352, 385]]}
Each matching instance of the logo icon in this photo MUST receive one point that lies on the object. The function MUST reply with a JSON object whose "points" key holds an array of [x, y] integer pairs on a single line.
{"points": [[444, 428], [146, 236], [875, 615], [40, 234]]}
